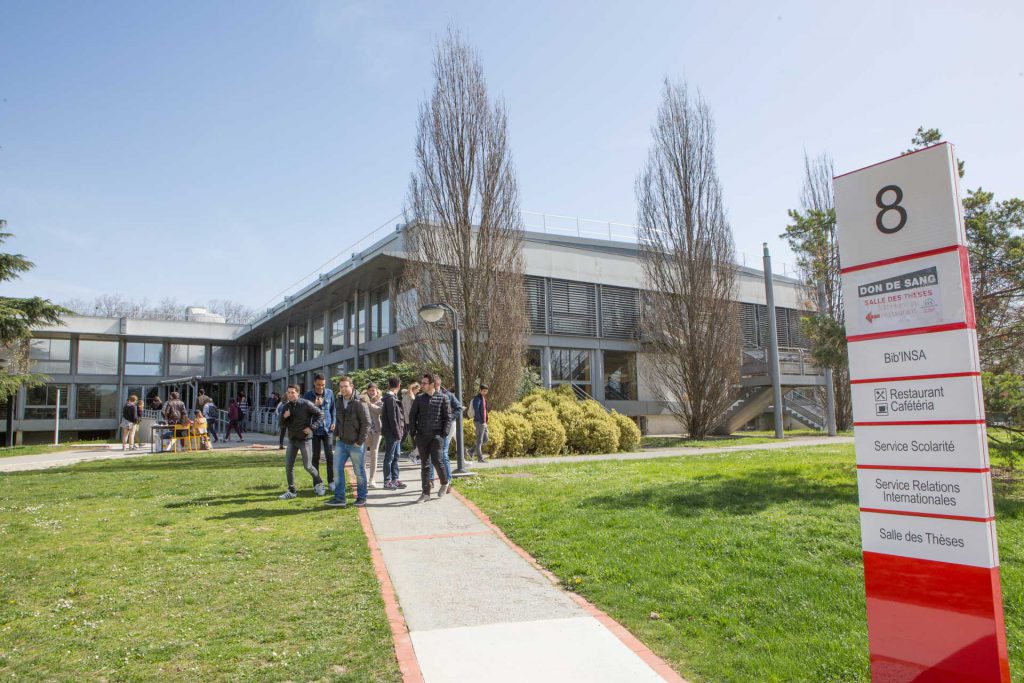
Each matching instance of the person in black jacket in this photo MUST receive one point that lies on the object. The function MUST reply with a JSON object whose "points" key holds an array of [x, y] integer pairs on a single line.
{"points": [[300, 417], [428, 423], [392, 427]]}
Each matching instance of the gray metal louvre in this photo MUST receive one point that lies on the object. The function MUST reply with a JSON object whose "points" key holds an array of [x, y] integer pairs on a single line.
{"points": [[573, 308], [537, 303], [748, 323], [620, 313]]}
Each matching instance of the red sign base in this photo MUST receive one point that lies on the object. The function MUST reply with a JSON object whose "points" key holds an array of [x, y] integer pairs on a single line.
{"points": [[934, 622]]}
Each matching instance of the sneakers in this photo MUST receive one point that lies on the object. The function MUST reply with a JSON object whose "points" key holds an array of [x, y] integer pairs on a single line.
{"points": [[360, 502], [371, 484], [288, 495], [330, 487], [319, 489], [441, 490], [335, 503], [400, 485], [388, 486], [424, 497]]}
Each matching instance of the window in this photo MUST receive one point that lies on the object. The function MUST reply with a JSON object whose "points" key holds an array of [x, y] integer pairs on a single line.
{"points": [[534, 360], [537, 306], [406, 307], [143, 358], [97, 402], [225, 360], [373, 325], [571, 366], [361, 330], [97, 357], [350, 326], [318, 337], [377, 360], [41, 402], [573, 308], [268, 355], [187, 359], [620, 313], [620, 375], [50, 355], [145, 394], [279, 351], [385, 312], [338, 328], [297, 345]]}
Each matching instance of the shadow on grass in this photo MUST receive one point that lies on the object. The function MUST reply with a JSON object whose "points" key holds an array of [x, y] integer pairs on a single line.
{"points": [[160, 462], [743, 494], [264, 513], [234, 499]]}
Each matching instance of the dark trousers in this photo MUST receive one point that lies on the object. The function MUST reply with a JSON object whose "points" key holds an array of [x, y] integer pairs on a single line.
{"points": [[233, 425], [295, 448], [211, 429], [324, 443], [429, 448], [280, 437]]}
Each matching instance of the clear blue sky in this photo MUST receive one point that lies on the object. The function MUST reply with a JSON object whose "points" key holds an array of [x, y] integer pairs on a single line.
{"points": [[224, 149]]}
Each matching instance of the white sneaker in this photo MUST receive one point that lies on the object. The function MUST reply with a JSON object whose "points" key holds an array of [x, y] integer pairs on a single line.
{"points": [[319, 489], [330, 487], [371, 484], [288, 495]]}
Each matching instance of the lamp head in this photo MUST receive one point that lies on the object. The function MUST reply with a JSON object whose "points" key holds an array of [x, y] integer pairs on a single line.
{"points": [[431, 313]]}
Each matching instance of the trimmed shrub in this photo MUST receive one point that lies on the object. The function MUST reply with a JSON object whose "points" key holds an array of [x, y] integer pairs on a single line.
{"points": [[598, 435], [496, 434], [548, 433], [518, 435], [629, 433]]}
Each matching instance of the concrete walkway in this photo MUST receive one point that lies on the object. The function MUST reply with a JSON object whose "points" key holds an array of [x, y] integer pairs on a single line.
{"points": [[478, 608]]}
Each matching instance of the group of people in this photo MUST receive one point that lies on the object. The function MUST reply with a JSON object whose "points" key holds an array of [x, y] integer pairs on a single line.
{"points": [[358, 423], [202, 424]]}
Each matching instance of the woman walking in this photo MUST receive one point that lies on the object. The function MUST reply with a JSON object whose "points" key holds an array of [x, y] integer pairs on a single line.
{"points": [[372, 397], [130, 418], [234, 420], [408, 396]]}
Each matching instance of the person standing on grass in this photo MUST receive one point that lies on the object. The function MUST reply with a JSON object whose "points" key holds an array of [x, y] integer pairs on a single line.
{"points": [[234, 417], [429, 421], [212, 414], [130, 418], [324, 400], [479, 409], [373, 404], [392, 428], [301, 418], [352, 425], [408, 397]]}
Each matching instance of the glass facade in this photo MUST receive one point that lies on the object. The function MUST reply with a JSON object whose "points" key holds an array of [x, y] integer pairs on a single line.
{"points": [[97, 402], [50, 356], [268, 355], [571, 366], [318, 336], [279, 351], [338, 328], [143, 358], [225, 360], [187, 360], [620, 375], [97, 357], [41, 402]]}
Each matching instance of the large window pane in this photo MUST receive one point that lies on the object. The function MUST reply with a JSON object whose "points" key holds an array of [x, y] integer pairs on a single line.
{"points": [[338, 328], [143, 358], [373, 330], [268, 355], [97, 357], [361, 321], [318, 336], [41, 402], [571, 366], [279, 351], [52, 356], [187, 359], [383, 317], [225, 360], [97, 402], [620, 375]]}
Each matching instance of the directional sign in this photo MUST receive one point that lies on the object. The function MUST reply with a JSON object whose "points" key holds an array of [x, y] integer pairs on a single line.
{"points": [[931, 566]]}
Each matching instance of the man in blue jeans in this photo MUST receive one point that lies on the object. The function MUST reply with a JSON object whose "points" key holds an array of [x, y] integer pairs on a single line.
{"points": [[352, 424], [454, 408], [392, 426]]}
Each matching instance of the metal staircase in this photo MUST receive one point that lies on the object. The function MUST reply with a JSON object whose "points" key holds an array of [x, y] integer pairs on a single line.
{"points": [[801, 405]]}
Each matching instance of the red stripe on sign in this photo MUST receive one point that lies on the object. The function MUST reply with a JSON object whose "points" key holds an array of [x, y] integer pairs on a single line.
{"points": [[913, 330], [903, 423], [965, 276], [907, 513], [901, 259], [934, 621], [979, 470], [900, 156], [941, 375]]}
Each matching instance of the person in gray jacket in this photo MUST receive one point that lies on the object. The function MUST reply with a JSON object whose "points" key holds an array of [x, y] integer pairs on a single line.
{"points": [[352, 424], [300, 418]]}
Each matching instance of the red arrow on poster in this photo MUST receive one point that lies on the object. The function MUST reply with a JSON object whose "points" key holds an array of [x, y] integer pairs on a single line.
{"points": [[871, 317]]}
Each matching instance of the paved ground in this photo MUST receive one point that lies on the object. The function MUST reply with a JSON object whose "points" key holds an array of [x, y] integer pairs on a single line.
{"points": [[478, 610]]}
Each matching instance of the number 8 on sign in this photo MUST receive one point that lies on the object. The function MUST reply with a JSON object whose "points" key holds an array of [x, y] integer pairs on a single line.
{"points": [[885, 208]]}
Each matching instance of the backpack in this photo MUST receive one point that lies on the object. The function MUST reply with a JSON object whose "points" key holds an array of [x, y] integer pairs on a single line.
{"points": [[128, 412], [210, 410], [171, 412]]}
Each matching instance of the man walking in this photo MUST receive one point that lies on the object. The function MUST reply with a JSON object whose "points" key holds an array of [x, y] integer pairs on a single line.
{"points": [[428, 421], [175, 413], [478, 406], [352, 425], [324, 400], [212, 415], [300, 418], [392, 420], [454, 408]]}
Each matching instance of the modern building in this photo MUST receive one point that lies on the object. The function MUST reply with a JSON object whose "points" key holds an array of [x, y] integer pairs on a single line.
{"points": [[586, 309]]}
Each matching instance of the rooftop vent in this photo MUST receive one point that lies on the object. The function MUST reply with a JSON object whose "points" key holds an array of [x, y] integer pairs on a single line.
{"points": [[200, 314]]}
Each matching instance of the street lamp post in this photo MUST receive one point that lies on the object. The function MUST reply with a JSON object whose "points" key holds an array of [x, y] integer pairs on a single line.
{"points": [[433, 313]]}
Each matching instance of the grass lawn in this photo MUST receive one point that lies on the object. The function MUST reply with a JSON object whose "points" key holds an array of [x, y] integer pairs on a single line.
{"points": [[750, 560], [184, 568], [36, 449], [737, 439]]}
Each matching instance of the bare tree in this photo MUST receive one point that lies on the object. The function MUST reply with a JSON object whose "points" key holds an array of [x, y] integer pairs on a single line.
{"points": [[688, 258], [232, 311], [117, 306], [464, 202], [812, 236]]}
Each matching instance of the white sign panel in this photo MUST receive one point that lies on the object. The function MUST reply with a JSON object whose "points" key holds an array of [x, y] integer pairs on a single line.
{"points": [[938, 353], [921, 292], [930, 538], [962, 494], [961, 446], [924, 400], [911, 201]]}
